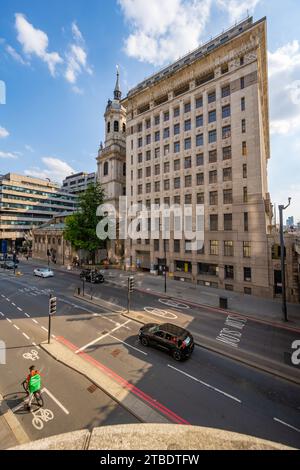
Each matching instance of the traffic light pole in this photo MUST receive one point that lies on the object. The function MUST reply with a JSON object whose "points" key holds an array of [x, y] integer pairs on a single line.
{"points": [[128, 296], [49, 328], [51, 312]]}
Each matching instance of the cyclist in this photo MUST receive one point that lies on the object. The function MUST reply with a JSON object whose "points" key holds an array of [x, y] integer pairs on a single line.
{"points": [[34, 384]]}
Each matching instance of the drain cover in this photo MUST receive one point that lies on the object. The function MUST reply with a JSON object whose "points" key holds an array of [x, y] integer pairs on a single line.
{"points": [[92, 388]]}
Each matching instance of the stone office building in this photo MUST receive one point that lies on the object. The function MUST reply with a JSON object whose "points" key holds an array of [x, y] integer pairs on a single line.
{"points": [[198, 132]]}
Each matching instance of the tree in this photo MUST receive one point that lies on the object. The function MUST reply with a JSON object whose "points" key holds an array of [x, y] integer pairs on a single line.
{"points": [[81, 226]]}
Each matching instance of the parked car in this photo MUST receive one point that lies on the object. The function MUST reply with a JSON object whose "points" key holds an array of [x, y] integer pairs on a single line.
{"points": [[43, 272], [171, 338], [8, 265], [89, 274]]}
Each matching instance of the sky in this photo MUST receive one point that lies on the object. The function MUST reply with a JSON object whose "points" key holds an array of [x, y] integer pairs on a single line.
{"points": [[58, 63]]}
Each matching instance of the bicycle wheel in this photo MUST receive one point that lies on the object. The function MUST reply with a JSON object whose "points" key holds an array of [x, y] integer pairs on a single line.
{"points": [[25, 386], [39, 399]]}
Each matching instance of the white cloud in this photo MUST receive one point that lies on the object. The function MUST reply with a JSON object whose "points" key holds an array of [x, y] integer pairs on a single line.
{"points": [[29, 148], [55, 169], [35, 42], [76, 59], [3, 133], [238, 9], [285, 58], [9, 155], [164, 30], [15, 55]]}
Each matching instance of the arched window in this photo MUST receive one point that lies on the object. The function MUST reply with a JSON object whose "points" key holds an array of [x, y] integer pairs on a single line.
{"points": [[108, 127], [116, 126], [124, 127], [124, 169], [105, 169]]}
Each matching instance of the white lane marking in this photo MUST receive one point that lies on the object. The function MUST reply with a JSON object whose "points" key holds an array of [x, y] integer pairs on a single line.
{"points": [[3, 296], [173, 303], [43, 328], [16, 327], [20, 309], [8, 300], [2, 314], [24, 334], [34, 344], [101, 337], [13, 304], [160, 313], [206, 384], [53, 336], [129, 345], [286, 424], [26, 314], [45, 390], [34, 321], [9, 320]]}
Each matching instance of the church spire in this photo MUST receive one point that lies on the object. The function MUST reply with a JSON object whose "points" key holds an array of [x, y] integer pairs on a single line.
{"points": [[117, 90]]}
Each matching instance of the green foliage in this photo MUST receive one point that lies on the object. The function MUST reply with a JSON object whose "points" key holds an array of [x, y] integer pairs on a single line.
{"points": [[81, 226]]}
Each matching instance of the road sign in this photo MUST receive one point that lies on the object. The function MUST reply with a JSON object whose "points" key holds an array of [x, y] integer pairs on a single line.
{"points": [[4, 246], [131, 284]]}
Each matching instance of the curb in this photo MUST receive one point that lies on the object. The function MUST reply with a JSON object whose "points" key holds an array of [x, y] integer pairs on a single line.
{"points": [[13, 423]]}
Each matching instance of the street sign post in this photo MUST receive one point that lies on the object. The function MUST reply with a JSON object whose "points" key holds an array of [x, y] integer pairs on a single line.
{"points": [[93, 279], [52, 312], [130, 291]]}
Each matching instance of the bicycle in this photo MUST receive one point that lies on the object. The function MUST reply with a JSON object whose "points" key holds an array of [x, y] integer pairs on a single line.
{"points": [[37, 395]]}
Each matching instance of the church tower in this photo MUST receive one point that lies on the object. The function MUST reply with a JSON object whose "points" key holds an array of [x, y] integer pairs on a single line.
{"points": [[111, 158]]}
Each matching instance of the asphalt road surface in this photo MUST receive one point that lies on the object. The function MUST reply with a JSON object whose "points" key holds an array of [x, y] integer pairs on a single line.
{"points": [[208, 390]]}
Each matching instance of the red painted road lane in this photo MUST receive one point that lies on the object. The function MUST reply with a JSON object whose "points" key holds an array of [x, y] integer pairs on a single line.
{"points": [[125, 384]]}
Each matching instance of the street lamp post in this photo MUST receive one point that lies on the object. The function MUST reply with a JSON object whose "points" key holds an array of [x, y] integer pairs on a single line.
{"points": [[282, 249], [165, 250]]}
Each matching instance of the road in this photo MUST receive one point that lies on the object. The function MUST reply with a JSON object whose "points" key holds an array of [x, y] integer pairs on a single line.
{"points": [[208, 390]]}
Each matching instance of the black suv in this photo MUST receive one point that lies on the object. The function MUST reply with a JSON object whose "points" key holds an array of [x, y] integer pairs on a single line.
{"points": [[87, 274], [177, 341]]}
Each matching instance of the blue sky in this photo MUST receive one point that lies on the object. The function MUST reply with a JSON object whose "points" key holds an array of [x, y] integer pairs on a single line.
{"points": [[58, 61]]}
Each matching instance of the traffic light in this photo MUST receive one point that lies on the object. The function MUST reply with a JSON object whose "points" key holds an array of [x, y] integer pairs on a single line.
{"points": [[131, 284], [52, 306], [93, 277]]}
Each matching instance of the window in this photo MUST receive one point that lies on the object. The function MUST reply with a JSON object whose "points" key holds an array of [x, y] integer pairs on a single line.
{"points": [[199, 159], [140, 189], [226, 132], [242, 83], [157, 152], [140, 158], [244, 149], [228, 222], [148, 171], [157, 186], [188, 199], [226, 111], [148, 123], [156, 120], [156, 245], [188, 181], [176, 147], [139, 127], [213, 198], [176, 129], [199, 140], [176, 165], [229, 272], [200, 179], [177, 200], [226, 153], [176, 246], [228, 248], [213, 222], [131, 143], [140, 174], [243, 126], [176, 183], [199, 121], [246, 222], [245, 194], [247, 274], [208, 269], [212, 156], [167, 167], [157, 170], [105, 169], [199, 102], [242, 60], [227, 196], [225, 91], [200, 198], [116, 126], [245, 170], [166, 133], [224, 68], [108, 127], [214, 247], [187, 162], [166, 150], [187, 125], [157, 136], [166, 185], [243, 104], [187, 144], [212, 136], [176, 112], [211, 97], [183, 266], [187, 107], [212, 116], [148, 188], [140, 142], [148, 155], [148, 139], [167, 203], [166, 116], [247, 249], [213, 176], [227, 174]]}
